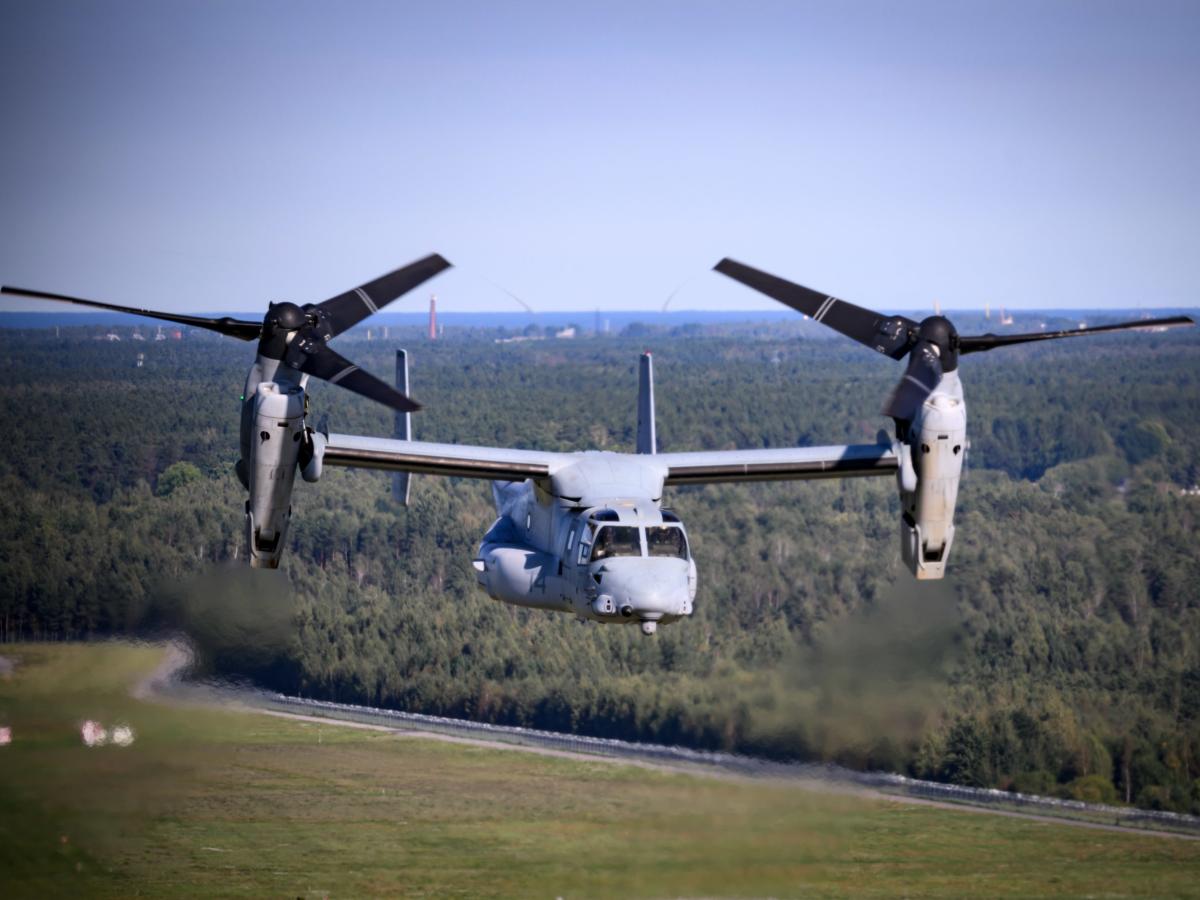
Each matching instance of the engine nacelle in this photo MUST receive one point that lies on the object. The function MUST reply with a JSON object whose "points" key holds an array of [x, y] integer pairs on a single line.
{"points": [[931, 461], [275, 446]]}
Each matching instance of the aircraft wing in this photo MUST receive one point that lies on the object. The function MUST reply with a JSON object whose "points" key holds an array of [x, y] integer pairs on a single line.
{"points": [[784, 464], [463, 461]]}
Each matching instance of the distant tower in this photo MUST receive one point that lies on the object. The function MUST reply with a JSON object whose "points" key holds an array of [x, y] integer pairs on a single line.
{"points": [[987, 311], [937, 308], [597, 321], [433, 329]]}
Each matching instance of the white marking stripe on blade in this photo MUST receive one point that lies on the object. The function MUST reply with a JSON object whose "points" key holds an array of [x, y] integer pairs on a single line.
{"points": [[366, 299], [825, 307], [919, 384], [342, 374]]}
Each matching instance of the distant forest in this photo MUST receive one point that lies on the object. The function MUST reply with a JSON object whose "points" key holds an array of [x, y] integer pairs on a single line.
{"points": [[1061, 657]]}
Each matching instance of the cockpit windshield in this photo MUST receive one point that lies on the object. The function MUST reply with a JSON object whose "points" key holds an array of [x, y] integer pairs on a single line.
{"points": [[617, 540], [666, 540]]}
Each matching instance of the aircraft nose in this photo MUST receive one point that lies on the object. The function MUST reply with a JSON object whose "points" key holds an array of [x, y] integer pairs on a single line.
{"points": [[648, 589]]}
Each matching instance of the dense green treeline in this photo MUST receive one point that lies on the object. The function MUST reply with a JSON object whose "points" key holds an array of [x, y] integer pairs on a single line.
{"points": [[1062, 656]]}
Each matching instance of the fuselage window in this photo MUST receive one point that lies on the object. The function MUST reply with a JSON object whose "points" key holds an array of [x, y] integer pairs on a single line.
{"points": [[666, 540], [570, 538], [617, 540]]}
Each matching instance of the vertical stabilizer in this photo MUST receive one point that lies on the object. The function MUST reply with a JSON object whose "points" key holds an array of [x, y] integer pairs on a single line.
{"points": [[646, 440], [402, 481]]}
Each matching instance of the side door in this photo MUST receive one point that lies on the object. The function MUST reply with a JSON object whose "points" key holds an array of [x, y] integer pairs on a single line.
{"points": [[570, 574]]}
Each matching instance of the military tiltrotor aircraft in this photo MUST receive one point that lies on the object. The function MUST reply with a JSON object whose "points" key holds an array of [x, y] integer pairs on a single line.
{"points": [[586, 532]]}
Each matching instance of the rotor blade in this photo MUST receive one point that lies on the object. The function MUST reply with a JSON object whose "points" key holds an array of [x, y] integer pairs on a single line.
{"points": [[923, 374], [888, 335], [982, 342], [346, 310], [321, 361], [238, 328]]}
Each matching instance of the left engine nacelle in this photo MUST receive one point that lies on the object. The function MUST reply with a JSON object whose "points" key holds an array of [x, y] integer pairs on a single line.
{"points": [[931, 461], [274, 449]]}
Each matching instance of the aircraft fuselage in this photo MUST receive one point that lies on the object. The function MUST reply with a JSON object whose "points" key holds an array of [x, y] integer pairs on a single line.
{"points": [[614, 559]]}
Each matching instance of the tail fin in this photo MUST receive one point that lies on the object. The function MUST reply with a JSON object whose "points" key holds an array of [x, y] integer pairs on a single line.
{"points": [[646, 440], [402, 481]]}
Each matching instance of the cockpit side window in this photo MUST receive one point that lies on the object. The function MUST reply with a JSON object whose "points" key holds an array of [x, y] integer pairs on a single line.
{"points": [[666, 540], [617, 540]]}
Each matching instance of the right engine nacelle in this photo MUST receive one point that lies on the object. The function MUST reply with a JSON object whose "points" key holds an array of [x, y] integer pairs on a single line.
{"points": [[931, 461]]}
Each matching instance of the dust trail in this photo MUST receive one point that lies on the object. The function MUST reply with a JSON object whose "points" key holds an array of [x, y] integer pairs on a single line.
{"points": [[871, 683], [235, 619], [177, 661]]}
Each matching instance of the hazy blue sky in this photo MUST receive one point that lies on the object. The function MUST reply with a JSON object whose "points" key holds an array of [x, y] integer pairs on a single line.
{"points": [[203, 156]]}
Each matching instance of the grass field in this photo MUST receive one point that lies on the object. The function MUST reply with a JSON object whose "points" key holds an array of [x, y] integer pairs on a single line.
{"points": [[216, 802]]}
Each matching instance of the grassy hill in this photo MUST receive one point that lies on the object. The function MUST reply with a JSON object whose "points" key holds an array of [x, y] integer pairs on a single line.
{"points": [[234, 803]]}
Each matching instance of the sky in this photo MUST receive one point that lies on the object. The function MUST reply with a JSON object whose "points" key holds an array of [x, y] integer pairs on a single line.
{"points": [[220, 155]]}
